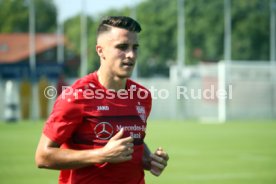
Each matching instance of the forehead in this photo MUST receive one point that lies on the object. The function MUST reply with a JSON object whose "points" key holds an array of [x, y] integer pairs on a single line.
{"points": [[119, 35]]}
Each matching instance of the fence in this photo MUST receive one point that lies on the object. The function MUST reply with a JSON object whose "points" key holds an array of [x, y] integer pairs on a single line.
{"points": [[209, 91], [218, 91]]}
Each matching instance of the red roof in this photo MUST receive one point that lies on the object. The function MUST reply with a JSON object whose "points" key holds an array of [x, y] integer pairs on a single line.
{"points": [[15, 47]]}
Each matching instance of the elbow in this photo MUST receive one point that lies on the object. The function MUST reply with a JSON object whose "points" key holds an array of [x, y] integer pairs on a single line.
{"points": [[40, 166], [44, 153], [41, 161]]}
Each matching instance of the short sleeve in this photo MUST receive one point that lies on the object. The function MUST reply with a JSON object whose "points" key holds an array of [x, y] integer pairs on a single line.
{"points": [[64, 119]]}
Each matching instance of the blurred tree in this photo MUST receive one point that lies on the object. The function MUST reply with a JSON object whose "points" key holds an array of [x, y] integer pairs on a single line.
{"points": [[72, 30], [158, 38], [251, 31], [204, 32], [15, 16]]}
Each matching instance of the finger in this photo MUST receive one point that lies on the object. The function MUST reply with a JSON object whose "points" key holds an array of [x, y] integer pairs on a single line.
{"points": [[156, 158], [157, 165], [160, 152], [159, 160], [118, 135], [126, 157], [127, 140], [129, 146], [155, 173], [128, 152], [164, 155]]}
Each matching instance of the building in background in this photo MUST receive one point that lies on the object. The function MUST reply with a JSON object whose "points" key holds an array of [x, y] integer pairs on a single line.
{"points": [[16, 77], [14, 55]]}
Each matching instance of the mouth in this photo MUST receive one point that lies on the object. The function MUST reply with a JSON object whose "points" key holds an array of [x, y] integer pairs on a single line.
{"points": [[128, 64]]}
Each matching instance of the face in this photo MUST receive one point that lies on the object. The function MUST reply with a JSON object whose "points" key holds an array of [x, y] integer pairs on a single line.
{"points": [[118, 51]]}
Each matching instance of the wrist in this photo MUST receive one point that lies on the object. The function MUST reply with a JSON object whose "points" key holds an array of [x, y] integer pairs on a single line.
{"points": [[146, 158], [146, 163], [99, 154]]}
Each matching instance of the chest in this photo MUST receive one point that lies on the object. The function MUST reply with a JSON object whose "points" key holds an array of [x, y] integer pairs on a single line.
{"points": [[104, 118]]}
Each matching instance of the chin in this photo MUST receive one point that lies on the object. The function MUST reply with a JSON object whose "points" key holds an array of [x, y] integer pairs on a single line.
{"points": [[125, 75]]}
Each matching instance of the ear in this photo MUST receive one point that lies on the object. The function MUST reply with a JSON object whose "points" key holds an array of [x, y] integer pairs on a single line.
{"points": [[99, 50]]}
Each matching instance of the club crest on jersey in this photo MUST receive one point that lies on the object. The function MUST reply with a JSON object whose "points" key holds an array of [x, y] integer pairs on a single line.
{"points": [[141, 112]]}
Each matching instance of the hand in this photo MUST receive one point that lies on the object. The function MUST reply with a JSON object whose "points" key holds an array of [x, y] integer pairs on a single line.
{"points": [[158, 162], [118, 149]]}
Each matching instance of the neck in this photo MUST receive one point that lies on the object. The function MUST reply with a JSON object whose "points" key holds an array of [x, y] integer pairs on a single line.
{"points": [[109, 81]]}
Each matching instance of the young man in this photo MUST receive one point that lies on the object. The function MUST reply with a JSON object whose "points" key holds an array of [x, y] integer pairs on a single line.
{"points": [[95, 133]]}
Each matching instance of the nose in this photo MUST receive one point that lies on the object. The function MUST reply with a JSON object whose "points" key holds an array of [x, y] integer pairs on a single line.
{"points": [[131, 54]]}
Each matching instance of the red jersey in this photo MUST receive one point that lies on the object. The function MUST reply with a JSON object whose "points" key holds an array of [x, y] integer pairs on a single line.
{"points": [[86, 115]]}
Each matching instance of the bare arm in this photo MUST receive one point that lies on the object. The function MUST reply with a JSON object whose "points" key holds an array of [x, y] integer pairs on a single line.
{"points": [[50, 155]]}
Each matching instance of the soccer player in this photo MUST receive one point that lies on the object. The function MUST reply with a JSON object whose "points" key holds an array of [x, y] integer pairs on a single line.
{"points": [[95, 133]]}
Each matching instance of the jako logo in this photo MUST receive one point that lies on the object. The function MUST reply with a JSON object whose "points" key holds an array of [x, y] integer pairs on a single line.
{"points": [[102, 108]]}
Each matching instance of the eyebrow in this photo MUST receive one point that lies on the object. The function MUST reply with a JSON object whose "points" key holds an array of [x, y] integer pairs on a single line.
{"points": [[136, 44]]}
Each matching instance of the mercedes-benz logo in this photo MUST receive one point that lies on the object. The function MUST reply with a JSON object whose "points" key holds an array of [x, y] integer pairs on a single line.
{"points": [[103, 130]]}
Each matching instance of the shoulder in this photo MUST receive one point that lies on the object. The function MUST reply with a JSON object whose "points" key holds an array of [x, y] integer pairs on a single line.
{"points": [[85, 82], [139, 88], [75, 91], [137, 85]]}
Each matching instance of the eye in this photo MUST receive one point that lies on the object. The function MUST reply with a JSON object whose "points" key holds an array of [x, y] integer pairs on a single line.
{"points": [[135, 47], [122, 47]]}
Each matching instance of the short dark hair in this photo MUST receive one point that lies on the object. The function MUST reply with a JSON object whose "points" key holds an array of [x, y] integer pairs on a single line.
{"points": [[120, 22]]}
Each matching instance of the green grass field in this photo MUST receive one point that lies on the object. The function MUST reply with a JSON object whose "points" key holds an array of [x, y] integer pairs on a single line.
{"points": [[235, 152]]}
